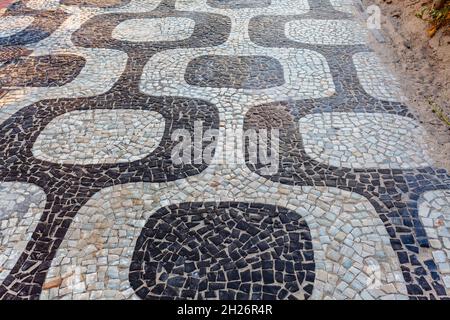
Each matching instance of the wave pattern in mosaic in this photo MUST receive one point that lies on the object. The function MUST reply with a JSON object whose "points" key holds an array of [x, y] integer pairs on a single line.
{"points": [[86, 167], [306, 75], [41, 71]]}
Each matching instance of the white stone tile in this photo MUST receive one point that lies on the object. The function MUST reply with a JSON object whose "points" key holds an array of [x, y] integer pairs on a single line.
{"points": [[326, 32], [364, 140], [434, 212], [100, 136], [154, 30], [375, 79], [21, 206]]}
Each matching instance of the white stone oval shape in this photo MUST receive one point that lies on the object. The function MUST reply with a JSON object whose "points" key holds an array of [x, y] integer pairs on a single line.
{"points": [[375, 79], [100, 136], [364, 140], [327, 32], [352, 251], [21, 206], [151, 30], [434, 212], [13, 24]]}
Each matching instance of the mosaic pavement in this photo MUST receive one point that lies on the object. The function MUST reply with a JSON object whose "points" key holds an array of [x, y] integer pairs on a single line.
{"points": [[92, 205]]}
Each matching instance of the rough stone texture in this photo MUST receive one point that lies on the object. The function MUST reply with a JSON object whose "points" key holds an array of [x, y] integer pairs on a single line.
{"points": [[375, 79], [95, 3], [226, 250], [434, 212], [356, 140], [21, 207], [154, 30], [327, 32], [238, 4], [11, 25], [42, 71], [345, 231], [365, 212], [347, 6], [241, 72], [100, 136]]}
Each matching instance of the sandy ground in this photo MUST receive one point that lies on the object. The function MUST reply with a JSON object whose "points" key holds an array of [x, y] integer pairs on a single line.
{"points": [[422, 64]]}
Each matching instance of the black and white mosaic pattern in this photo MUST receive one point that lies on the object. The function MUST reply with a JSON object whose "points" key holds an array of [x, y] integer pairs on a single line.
{"points": [[93, 207], [228, 251]]}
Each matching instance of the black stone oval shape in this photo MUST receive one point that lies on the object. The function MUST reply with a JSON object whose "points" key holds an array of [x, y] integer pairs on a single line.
{"points": [[238, 72], [41, 71], [238, 4], [225, 250]]}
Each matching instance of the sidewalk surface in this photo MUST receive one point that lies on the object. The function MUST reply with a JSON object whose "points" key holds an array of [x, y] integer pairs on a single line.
{"points": [[95, 98]]}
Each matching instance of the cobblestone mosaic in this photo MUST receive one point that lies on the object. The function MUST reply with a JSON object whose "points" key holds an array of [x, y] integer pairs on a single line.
{"points": [[11, 25], [164, 29], [100, 136], [238, 4], [107, 228], [356, 140], [93, 206], [227, 250], [329, 32], [375, 79], [434, 212], [347, 6], [22, 205]]}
